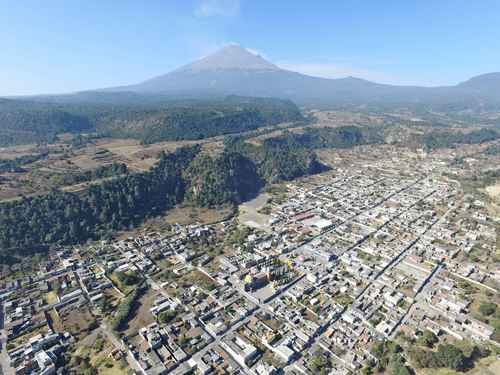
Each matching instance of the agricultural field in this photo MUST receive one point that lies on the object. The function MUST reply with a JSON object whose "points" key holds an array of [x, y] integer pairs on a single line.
{"points": [[61, 158]]}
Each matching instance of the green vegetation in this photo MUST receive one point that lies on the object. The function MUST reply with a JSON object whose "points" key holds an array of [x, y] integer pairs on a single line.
{"points": [[320, 364], [488, 308], [496, 335], [126, 307], [15, 165], [120, 203], [485, 178], [231, 115], [277, 161], [238, 235], [447, 356], [150, 119], [445, 139], [490, 313], [339, 137], [384, 351], [30, 122], [167, 316], [127, 200], [451, 357], [397, 365], [243, 169], [492, 150], [428, 339], [231, 177], [128, 278], [104, 171]]}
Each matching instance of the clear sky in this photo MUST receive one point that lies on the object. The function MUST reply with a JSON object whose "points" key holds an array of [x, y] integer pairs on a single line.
{"points": [[57, 46]]}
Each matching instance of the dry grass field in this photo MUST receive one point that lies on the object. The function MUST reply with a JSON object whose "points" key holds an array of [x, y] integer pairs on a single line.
{"points": [[494, 191], [77, 321], [142, 316]]}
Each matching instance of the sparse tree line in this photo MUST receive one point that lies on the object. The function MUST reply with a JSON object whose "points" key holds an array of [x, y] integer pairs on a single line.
{"points": [[103, 171], [16, 165]]}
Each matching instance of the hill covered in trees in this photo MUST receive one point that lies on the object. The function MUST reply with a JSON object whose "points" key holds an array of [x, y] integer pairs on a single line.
{"points": [[348, 136], [120, 203], [126, 201], [445, 139], [147, 118], [31, 122], [338, 137]]}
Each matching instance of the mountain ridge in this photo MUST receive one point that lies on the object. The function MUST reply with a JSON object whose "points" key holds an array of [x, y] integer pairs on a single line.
{"points": [[234, 70]]}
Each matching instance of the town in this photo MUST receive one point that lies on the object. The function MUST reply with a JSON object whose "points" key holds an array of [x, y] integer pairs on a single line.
{"points": [[329, 267]]}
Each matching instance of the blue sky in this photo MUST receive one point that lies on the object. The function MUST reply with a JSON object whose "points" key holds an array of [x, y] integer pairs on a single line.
{"points": [[68, 45]]}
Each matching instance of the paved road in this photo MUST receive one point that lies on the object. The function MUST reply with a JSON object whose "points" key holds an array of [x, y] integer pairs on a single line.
{"points": [[390, 265], [317, 337], [5, 367], [235, 327], [264, 306]]}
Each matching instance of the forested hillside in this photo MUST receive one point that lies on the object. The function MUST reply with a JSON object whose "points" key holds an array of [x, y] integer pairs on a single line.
{"points": [[141, 117], [68, 218], [443, 139], [231, 177], [126, 201], [30, 122], [338, 137], [349, 136]]}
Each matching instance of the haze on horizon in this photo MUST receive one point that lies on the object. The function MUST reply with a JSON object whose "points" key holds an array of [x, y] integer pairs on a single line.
{"points": [[64, 47]]}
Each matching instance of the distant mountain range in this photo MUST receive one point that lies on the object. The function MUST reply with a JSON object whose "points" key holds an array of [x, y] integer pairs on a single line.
{"points": [[234, 70]]}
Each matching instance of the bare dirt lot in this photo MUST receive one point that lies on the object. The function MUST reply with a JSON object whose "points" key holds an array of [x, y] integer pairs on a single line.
{"points": [[494, 191], [77, 321], [184, 215], [249, 215], [188, 215], [142, 315]]}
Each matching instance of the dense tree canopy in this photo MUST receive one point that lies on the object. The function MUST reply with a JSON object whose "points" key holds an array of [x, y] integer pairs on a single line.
{"points": [[444, 139], [231, 177], [339, 137], [144, 118]]}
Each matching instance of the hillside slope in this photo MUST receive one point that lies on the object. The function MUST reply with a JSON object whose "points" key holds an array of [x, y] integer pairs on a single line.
{"points": [[147, 118]]}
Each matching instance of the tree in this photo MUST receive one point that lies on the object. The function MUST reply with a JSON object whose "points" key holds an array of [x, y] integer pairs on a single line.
{"points": [[397, 365], [167, 316], [424, 358], [320, 364], [128, 278], [428, 339], [496, 335], [487, 308], [451, 357], [367, 369]]}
